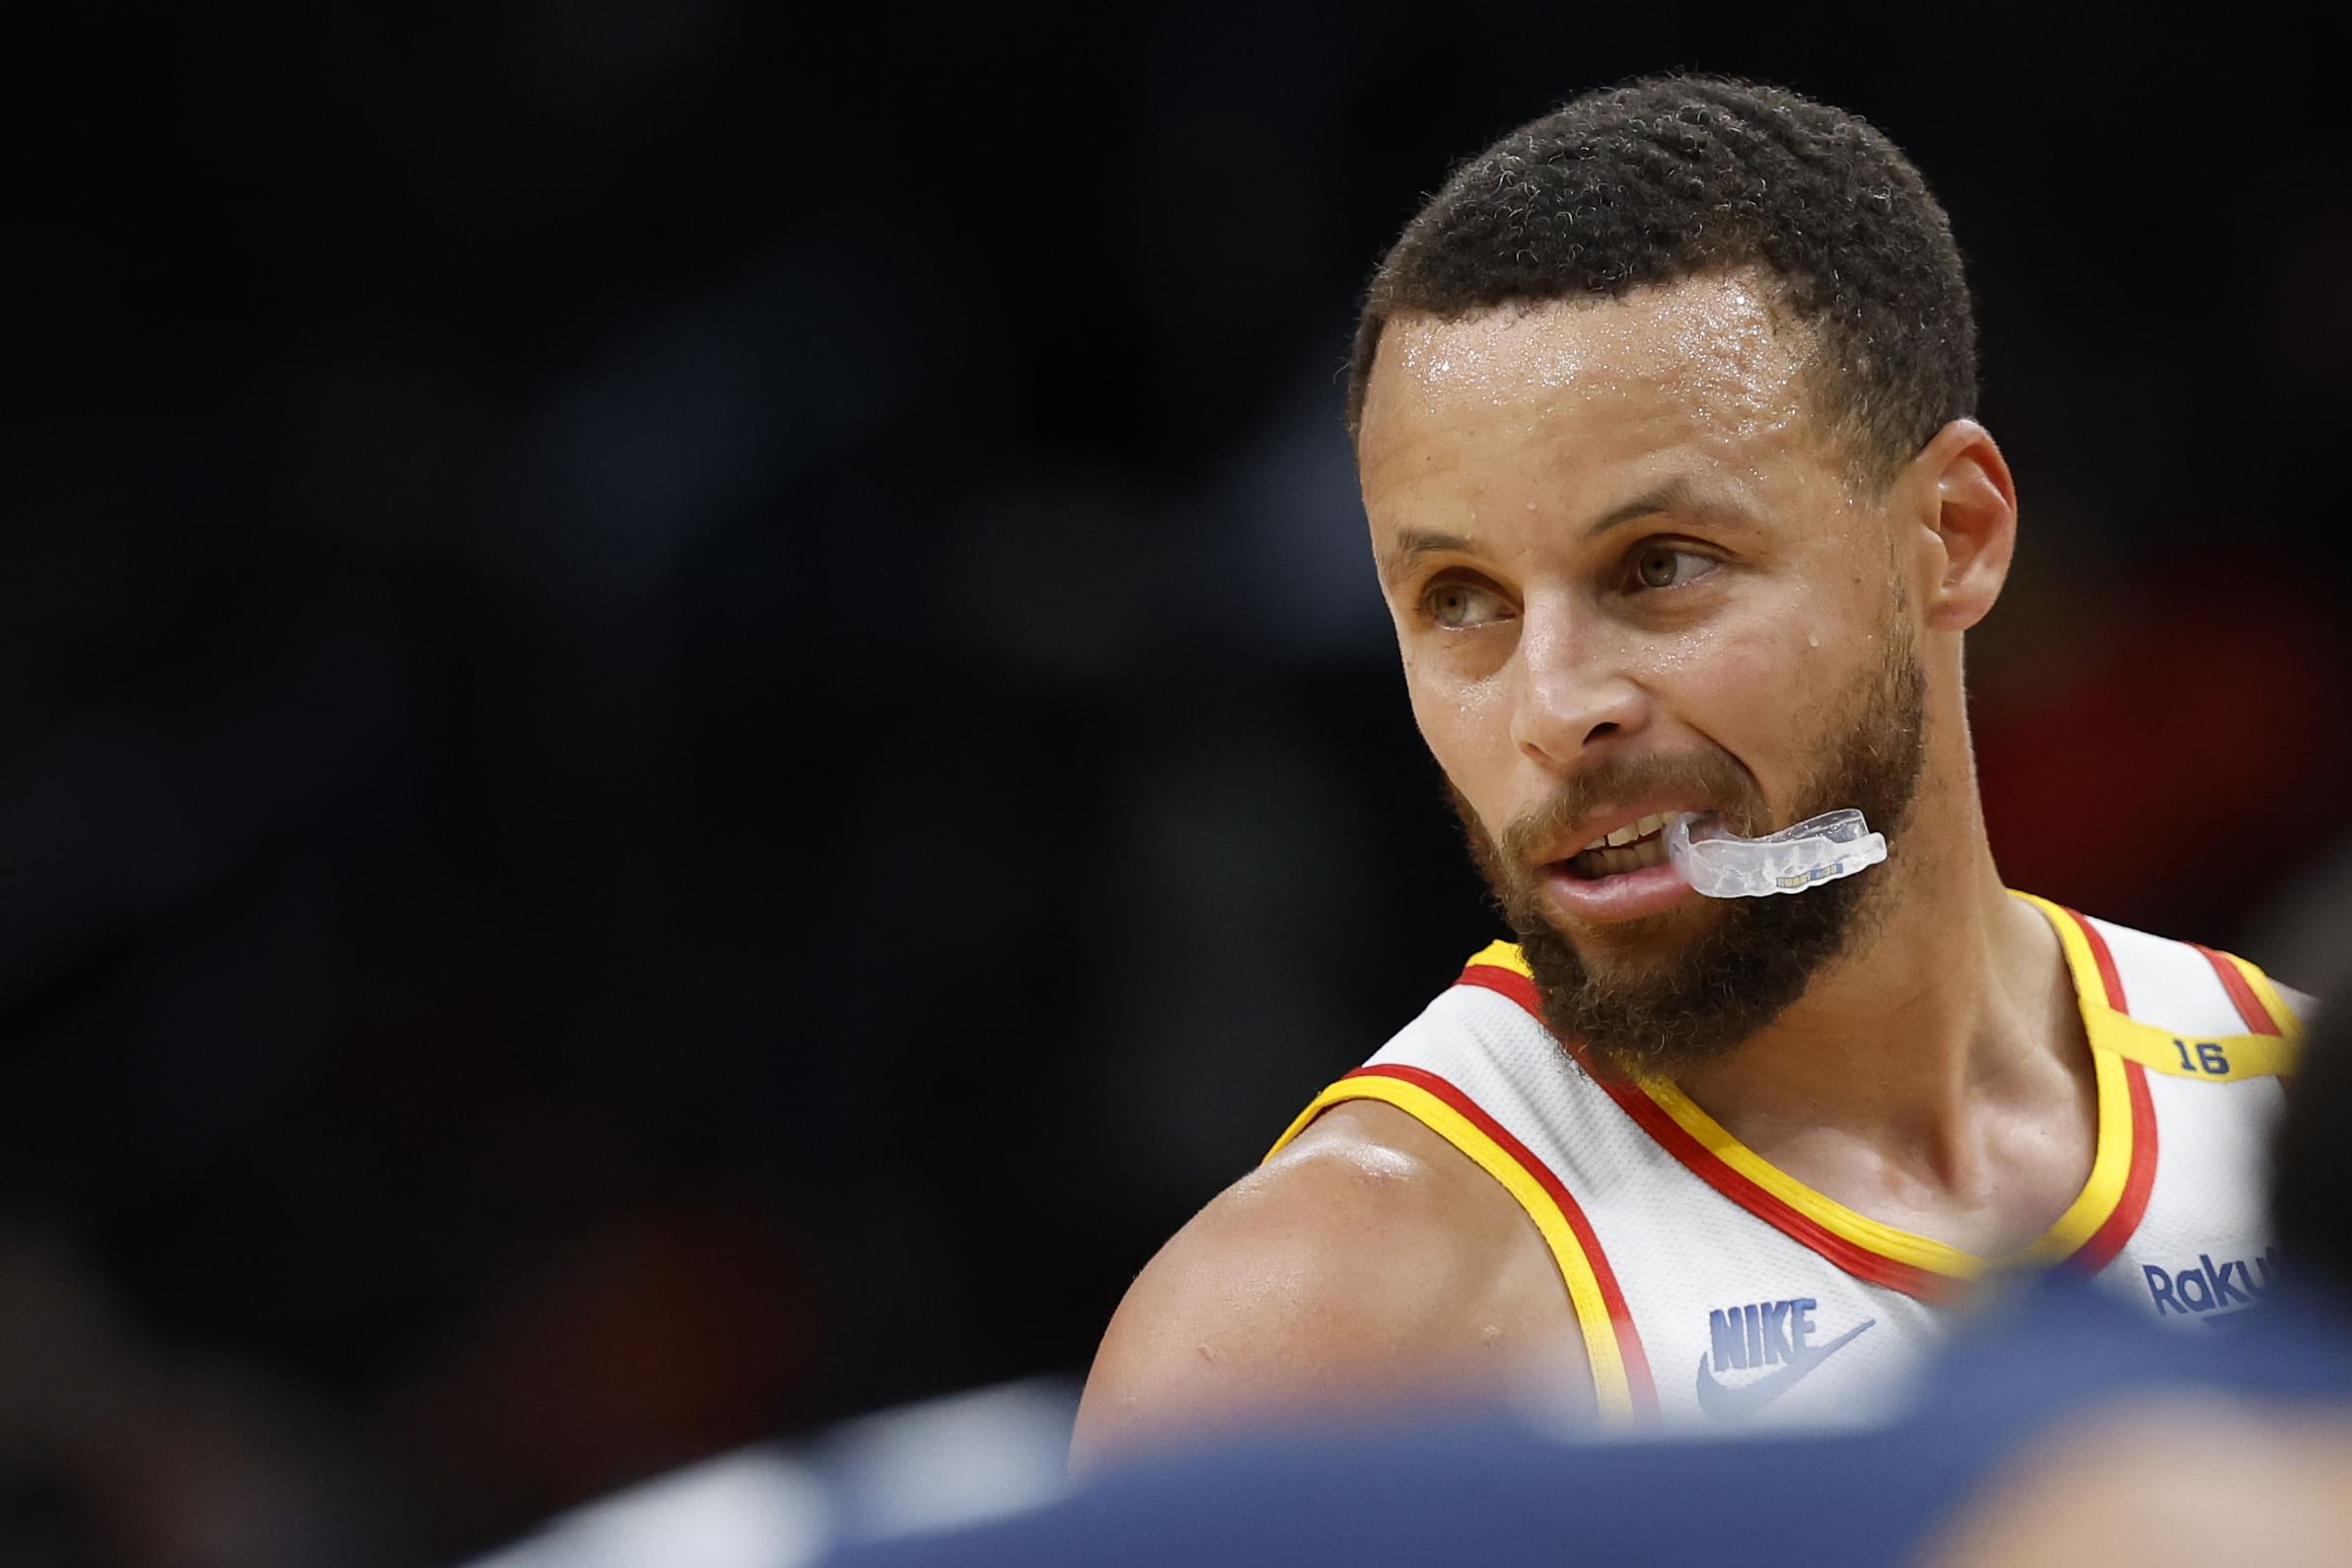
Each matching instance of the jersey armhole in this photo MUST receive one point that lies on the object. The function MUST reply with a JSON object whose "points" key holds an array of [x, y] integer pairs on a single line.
{"points": [[1621, 1382]]}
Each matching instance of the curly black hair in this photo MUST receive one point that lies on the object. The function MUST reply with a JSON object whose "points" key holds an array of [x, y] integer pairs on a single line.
{"points": [[1668, 176]]}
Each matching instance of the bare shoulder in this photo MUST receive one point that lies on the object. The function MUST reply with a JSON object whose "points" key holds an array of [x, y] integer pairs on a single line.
{"points": [[1368, 1262]]}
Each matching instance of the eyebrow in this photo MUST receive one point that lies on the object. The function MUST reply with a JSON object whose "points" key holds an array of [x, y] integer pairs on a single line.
{"points": [[1676, 494]]}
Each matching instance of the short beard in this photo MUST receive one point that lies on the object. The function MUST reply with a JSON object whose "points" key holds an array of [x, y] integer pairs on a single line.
{"points": [[1636, 1020]]}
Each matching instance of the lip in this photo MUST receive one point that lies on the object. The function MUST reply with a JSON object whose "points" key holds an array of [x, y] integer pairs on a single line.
{"points": [[1628, 895]]}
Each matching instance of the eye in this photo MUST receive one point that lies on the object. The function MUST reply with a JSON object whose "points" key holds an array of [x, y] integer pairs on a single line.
{"points": [[1664, 565], [1459, 606]]}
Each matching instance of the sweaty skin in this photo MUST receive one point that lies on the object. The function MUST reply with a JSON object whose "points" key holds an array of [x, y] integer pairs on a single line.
{"points": [[1620, 529], [1368, 1264]]}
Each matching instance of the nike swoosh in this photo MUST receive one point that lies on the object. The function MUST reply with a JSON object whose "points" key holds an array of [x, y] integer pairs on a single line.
{"points": [[1733, 1404]]}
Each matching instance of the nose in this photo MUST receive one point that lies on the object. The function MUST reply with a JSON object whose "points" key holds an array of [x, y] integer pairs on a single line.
{"points": [[1575, 690]]}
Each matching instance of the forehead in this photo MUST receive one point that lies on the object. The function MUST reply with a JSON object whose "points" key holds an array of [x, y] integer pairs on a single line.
{"points": [[1701, 374]]}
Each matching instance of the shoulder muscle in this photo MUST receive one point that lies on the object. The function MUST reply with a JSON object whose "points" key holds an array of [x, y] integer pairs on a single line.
{"points": [[1367, 1262]]}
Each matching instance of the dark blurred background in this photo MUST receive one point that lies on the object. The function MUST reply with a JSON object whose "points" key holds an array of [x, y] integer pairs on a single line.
{"points": [[692, 720]]}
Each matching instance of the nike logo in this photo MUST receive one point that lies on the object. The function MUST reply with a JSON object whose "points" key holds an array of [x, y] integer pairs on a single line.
{"points": [[1736, 1404]]}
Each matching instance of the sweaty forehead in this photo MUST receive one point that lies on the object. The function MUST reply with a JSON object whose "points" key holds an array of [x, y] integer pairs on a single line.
{"points": [[1706, 359]]}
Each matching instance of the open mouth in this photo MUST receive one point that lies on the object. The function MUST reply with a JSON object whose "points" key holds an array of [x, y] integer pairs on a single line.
{"points": [[1632, 847]]}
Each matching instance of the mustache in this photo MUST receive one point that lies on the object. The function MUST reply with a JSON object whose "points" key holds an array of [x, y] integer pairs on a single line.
{"points": [[1711, 777]]}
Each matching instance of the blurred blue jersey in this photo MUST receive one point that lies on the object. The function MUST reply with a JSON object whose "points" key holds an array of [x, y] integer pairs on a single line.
{"points": [[1496, 1494]]}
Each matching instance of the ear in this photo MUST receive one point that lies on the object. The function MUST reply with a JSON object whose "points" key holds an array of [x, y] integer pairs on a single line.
{"points": [[1966, 504]]}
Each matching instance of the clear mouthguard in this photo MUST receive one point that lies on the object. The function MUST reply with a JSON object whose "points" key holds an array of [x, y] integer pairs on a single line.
{"points": [[1821, 849]]}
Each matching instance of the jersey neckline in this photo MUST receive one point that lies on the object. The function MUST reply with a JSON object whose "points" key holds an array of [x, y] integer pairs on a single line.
{"points": [[2085, 1236]]}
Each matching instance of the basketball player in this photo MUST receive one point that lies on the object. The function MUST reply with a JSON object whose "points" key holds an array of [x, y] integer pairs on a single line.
{"points": [[1663, 418]]}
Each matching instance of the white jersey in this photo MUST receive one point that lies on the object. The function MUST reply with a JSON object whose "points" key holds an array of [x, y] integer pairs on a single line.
{"points": [[1713, 1289]]}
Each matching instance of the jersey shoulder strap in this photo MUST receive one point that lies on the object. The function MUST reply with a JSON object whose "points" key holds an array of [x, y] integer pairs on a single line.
{"points": [[2177, 1008], [1416, 1073]]}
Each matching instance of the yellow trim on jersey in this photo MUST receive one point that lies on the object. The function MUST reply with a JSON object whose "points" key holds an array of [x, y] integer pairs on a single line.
{"points": [[2282, 1013], [2212, 1058], [1610, 1382], [2110, 1169], [2116, 1038], [2082, 965], [2111, 1035], [1503, 955], [1905, 1246]]}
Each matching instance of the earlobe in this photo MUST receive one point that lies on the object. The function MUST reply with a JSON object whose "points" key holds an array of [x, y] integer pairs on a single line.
{"points": [[1971, 506]]}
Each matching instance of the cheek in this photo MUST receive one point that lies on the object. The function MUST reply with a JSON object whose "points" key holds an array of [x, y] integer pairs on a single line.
{"points": [[1757, 687], [1731, 670], [1464, 722]]}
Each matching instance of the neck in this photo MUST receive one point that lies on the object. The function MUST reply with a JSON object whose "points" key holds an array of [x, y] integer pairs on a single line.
{"points": [[1953, 998]]}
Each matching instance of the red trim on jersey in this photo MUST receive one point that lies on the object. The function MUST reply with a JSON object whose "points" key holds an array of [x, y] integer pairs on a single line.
{"points": [[2105, 1242], [1629, 1341], [2116, 1228], [2250, 1006], [1858, 1260], [1509, 982], [2103, 958], [1710, 1167]]}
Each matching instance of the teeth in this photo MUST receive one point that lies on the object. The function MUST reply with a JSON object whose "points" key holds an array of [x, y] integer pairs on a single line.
{"points": [[1628, 833], [1607, 862]]}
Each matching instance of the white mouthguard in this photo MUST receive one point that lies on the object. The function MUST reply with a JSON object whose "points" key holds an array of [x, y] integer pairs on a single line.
{"points": [[1821, 849]]}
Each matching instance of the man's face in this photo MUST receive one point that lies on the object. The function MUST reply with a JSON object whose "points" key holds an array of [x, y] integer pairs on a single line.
{"points": [[1631, 575]]}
